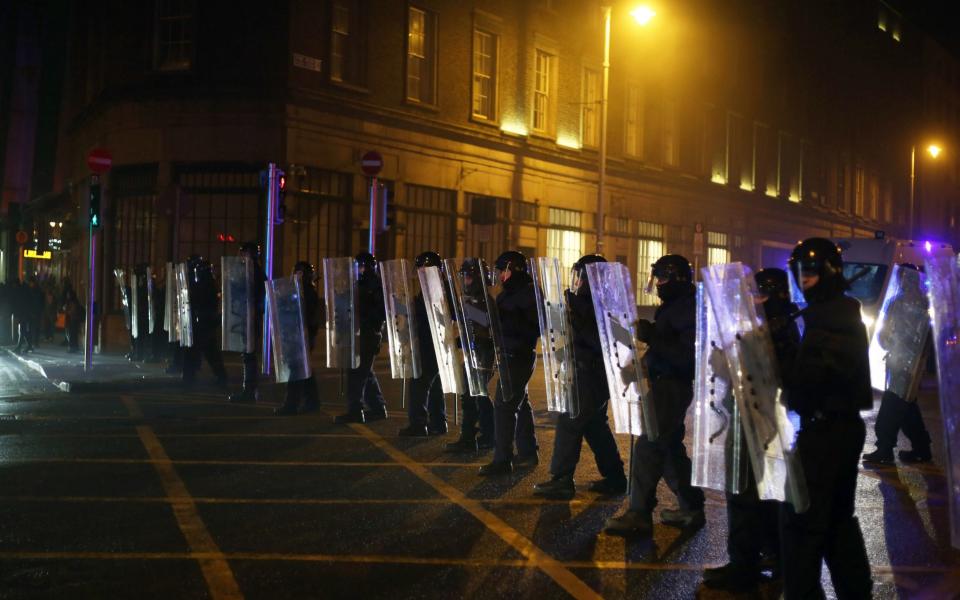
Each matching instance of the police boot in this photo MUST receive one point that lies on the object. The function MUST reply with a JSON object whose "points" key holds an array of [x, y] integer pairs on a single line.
{"points": [[350, 417], [467, 442], [609, 486], [413, 430], [692, 518], [732, 577], [879, 457], [497, 467], [632, 522], [561, 486], [919, 455]]}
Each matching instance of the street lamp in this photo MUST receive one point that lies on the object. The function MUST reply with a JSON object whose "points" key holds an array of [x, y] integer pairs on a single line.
{"points": [[642, 15], [934, 151]]}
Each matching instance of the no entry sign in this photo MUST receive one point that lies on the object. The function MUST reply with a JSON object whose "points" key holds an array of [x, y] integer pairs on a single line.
{"points": [[99, 160], [371, 163]]}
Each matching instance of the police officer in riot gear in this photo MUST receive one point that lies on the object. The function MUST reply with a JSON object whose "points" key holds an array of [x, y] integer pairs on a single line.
{"points": [[591, 424], [513, 415], [477, 410], [362, 385], [752, 539], [828, 385], [312, 316], [251, 250], [205, 312], [896, 412], [140, 344], [426, 411], [670, 361]]}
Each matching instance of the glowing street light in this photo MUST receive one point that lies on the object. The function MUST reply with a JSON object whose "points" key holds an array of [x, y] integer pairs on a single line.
{"points": [[934, 151], [642, 15]]}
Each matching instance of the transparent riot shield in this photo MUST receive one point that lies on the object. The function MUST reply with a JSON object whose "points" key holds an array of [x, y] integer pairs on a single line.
{"points": [[340, 295], [616, 313], [900, 334], [400, 287], [237, 329], [171, 305], [135, 299], [122, 286], [943, 276], [151, 317], [748, 348], [183, 305], [718, 460], [444, 330], [556, 335], [481, 335], [291, 357]]}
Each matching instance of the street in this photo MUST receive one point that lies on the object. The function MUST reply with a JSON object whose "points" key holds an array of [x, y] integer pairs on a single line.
{"points": [[161, 492]]}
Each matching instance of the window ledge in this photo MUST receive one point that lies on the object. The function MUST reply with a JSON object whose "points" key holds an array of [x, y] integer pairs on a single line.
{"points": [[349, 86], [425, 106]]}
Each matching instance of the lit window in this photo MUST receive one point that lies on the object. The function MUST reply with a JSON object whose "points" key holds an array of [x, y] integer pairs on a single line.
{"points": [[484, 75], [650, 247], [633, 125], [347, 52], [421, 55], [718, 253], [590, 113], [564, 240], [174, 35], [542, 91]]}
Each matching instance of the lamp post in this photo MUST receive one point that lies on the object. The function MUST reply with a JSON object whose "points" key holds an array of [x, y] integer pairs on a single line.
{"points": [[642, 15], [934, 151]]}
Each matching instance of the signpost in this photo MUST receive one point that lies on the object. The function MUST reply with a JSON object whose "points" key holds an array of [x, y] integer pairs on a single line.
{"points": [[371, 163], [99, 161], [273, 178]]}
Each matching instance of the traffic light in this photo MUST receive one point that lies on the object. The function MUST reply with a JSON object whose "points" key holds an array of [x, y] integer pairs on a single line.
{"points": [[95, 220]]}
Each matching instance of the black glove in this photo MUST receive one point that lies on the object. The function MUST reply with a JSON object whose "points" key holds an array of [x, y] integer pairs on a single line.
{"points": [[644, 331]]}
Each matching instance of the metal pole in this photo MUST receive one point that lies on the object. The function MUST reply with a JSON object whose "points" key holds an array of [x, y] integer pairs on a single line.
{"points": [[602, 178], [913, 173], [372, 242], [272, 175], [91, 288]]}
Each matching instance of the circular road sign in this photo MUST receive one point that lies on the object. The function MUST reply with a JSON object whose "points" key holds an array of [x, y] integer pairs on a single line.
{"points": [[371, 163], [21, 237], [99, 160]]}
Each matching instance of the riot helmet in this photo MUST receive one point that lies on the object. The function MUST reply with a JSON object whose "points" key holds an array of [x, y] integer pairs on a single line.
{"points": [[366, 264], [428, 259], [579, 280], [473, 276], [670, 275], [509, 263], [306, 270], [818, 268], [772, 283], [201, 271], [251, 249]]}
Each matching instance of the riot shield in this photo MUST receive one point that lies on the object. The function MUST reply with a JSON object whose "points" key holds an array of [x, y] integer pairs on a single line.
{"points": [[748, 348], [400, 287], [183, 305], [718, 461], [291, 357], [556, 335], [943, 277], [171, 305], [237, 329], [616, 313], [900, 333], [135, 299], [122, 285], [151, 317], [481, 335], [340, 295], [445, 334]]}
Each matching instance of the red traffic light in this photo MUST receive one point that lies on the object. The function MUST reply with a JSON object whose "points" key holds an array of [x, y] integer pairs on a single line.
{"points": [[283, 183]]}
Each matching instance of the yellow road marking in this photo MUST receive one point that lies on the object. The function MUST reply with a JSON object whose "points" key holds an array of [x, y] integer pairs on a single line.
{"points": [[254, 463], [604, 565], [312, 501], [536, 557], [215, 568], [98, 436]]}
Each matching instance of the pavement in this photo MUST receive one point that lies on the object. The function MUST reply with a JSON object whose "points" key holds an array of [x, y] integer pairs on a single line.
{"points": [[161, 491]]}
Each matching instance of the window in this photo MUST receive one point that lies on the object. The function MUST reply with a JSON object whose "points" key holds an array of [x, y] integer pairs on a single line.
{"points": [[346, 43], [718, 253], [765, 160], [317, 223], [739, 153], [590, 108], [525, 211], [134, 195], [650, 248], [716, 137], [488, 225], [671, 150], [173, 36], [430, 218], [633, 122], [485, 54], [564, 240], [653, 128], [859, 196], [421, 56], [788, 170], [543, 91]]}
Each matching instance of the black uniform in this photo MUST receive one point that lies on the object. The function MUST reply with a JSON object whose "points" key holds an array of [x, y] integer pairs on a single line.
{"points": [[205, 312], [141, 343], [362, 385], [250, 368], [591, 424], [670, 362], [426, 408], [828, 385], [306, 388], [513, 415]]}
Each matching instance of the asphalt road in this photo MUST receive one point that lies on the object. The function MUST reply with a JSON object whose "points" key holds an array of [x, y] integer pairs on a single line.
{"points": [[168, 493]]}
